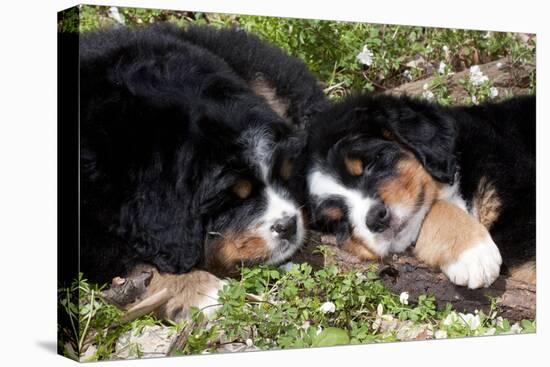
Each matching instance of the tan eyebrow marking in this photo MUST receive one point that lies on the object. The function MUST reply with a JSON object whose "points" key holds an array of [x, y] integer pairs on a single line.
{"points": [[242, 188], [354, 166]]}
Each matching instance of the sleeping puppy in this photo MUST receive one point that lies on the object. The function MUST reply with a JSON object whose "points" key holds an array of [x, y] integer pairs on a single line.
{"points": [[386, 172], [188, 153]]}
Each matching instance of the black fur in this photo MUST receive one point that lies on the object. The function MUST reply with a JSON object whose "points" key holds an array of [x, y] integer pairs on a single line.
{"points": [[426, 129], [162, 140], [254, 59], [494, 141], [497, 141]]}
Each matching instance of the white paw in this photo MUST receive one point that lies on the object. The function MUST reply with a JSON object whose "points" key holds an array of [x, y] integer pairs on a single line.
{"points": [[478, 266]]}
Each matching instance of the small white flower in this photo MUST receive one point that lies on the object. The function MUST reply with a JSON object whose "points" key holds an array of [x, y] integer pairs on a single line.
{"points": [[407, 75], [115, 14], [476, 76], [516, 328], [440, 334], [319, 330], [450, 319], [472, 321], [428, 95], [404, 298], [425, 86], [365, 57], [474, 99], [500, 322], [493, 92], [445, 48], [499, 65], [305, 325], [249, 342], [429, 49], [379, 309], [442, 67], [490, 331], [328, 307]]}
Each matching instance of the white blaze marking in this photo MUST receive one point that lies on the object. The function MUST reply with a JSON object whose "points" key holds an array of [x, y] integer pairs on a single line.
{"points": [[279, 207], [261, 147]]}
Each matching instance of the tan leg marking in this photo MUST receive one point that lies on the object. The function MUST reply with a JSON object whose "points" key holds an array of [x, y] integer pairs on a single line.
{"points": [[459, 245], [526, 272], [487, 203], [446, 233]]}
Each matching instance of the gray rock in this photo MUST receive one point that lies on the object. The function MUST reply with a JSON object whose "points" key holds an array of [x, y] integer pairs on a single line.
{"points": [[153, 341]]}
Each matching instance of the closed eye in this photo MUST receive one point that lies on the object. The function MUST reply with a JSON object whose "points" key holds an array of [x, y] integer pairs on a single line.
{"points": [[332, 214]]}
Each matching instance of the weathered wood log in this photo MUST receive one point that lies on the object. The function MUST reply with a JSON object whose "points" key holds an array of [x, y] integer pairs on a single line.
{"points": [[404, 273], [502, 73], [400, 273], [516, 300], [124, 291]]}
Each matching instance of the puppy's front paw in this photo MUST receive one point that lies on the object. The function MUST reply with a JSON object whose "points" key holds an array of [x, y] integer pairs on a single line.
{"points": [[476, 267]]}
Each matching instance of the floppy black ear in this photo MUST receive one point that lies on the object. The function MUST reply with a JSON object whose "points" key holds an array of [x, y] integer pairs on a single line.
{"points": [[163, 231], [185, 252], [430, 133]]}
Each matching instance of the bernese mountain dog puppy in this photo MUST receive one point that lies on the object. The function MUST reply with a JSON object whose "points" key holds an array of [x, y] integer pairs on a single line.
{"points": [[190, 153], [387, 172]]}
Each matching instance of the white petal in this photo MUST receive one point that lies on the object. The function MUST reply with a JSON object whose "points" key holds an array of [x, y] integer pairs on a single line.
{"points": [[404, 298], [328, 307], [442, 67], [474, 69], [379, 309]]}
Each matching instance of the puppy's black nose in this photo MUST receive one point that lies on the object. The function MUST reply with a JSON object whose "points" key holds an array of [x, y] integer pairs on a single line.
{"points": [[286, 227], [378, 218]]}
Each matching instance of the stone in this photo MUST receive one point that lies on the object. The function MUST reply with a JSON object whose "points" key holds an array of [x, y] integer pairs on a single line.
{"points": [[153, 341]]}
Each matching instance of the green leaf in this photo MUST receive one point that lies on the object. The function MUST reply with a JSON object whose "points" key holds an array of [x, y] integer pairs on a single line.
{"points": [[527, 326], [331, 336]]}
